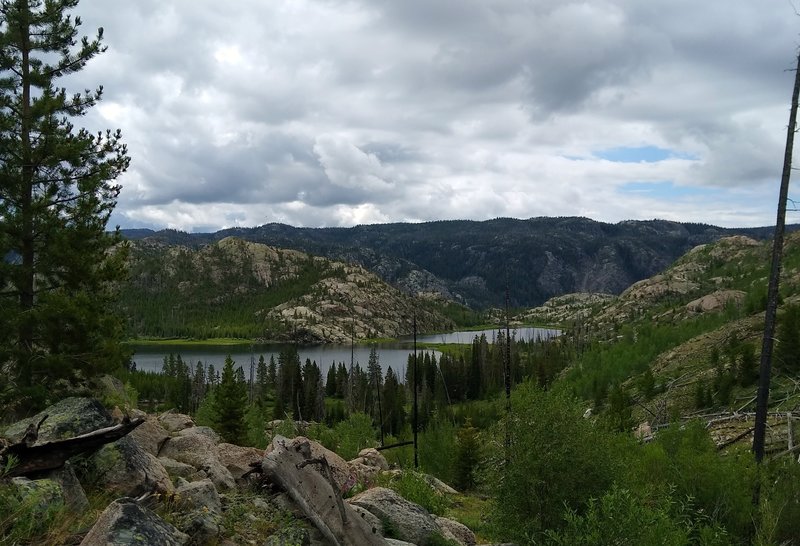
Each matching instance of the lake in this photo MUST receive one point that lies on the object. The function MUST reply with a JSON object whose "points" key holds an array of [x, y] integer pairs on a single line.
{"points": [[151, 358]]}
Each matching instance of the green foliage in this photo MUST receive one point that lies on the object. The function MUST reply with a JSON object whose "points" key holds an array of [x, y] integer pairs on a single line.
{"points": [[467, 457], [683, 462], [787, 348], [557, 460], [438, 449], [352, 435], [230, 403], [412, 486], [58, 192], [620, 517]]}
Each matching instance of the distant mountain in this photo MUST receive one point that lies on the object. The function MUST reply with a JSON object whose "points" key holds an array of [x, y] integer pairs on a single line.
{"points": [[236, 288], [472, 262]]}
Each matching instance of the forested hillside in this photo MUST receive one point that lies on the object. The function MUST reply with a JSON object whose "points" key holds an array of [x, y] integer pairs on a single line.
{"points": [[234, 288], [471, 262]]}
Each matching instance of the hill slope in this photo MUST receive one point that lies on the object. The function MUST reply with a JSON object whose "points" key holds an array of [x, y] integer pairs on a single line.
{"points": [[471, 262], [686, 342], [235, 288]]}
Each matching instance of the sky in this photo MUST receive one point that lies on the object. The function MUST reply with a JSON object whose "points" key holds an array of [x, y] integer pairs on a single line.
{"points": [[337, 113]]}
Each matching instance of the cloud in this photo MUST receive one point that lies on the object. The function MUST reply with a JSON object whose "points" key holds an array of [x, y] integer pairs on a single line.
{"points": [[332, 112]]}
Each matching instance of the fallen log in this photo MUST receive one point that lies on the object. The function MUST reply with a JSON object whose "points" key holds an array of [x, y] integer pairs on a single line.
{"points": [[31, 458], [289, 465]]}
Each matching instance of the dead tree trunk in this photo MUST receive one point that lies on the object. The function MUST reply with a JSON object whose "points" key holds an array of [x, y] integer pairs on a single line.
{"points": [[772, 295]]}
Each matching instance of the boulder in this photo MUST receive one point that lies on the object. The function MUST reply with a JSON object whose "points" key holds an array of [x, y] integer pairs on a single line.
{"points": [[200, 452], [128, 470], [46, 493], [150, 435], [372, 457], [177, 469], [74, 495], [174, 421], [204, 515], [68, 418], [237, 459], [125, 523], [208, 432], [454, 530], [341, 471], [412, 522], [288, 465]]}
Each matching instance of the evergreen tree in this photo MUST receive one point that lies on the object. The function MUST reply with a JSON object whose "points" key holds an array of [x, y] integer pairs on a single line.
{"points": [[787, 350], [230, 404], [262, 381], [57, 192]]}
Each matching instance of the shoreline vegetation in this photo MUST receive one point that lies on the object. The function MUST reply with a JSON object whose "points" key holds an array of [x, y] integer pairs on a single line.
{"points": [[190, 343]]}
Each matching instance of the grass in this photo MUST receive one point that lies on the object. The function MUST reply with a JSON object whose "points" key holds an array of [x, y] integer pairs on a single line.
{"points": [[190, 343]]}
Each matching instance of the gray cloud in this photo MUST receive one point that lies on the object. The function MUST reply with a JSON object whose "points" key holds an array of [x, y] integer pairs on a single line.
{"points": [[337, 113]]}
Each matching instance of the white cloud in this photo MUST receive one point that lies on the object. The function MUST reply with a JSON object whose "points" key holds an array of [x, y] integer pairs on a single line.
{"points": [[338, 112]]}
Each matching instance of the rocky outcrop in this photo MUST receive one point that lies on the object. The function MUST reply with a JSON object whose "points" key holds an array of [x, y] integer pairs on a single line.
{"points": [[716, 301], [125, 523]]}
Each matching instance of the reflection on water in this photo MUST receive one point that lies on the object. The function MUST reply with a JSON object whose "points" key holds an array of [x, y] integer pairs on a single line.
{"points": [[394, 355]]}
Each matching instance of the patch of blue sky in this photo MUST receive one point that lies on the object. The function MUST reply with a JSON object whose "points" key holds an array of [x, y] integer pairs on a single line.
{"points": [[641, 154], [667, 189]]}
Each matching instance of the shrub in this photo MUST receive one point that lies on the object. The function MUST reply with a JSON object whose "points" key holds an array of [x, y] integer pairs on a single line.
{"points": [[557, 460]]}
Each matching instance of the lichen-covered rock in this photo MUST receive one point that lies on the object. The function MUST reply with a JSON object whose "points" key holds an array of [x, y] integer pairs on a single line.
{"points": [[412, 522], [74, 495], [174, 421], [237, 459], [454, 530], [126, 469], [68, 418], [204, 515], [150, 435], [43, 493], [125, 523], [200, 452]]}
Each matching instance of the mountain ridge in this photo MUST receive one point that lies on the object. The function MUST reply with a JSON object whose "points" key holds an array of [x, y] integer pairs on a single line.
{"points": [[473, 262]]}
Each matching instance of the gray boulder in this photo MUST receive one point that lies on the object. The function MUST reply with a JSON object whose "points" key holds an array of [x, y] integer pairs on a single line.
{"points": [[74, 495], [200, 452], [413, 523], [208, 432], [454, 530], [150, 435], [204, 515], [125, 523], [177, 469], [68, 418], [237, 459], [174, 421], [126, 469]]}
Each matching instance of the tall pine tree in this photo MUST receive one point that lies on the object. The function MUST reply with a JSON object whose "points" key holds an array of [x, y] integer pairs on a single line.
{"points": [[57, 189], [230, 404]]}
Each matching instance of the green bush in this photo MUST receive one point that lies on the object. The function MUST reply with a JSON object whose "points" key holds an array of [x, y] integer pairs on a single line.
{"points": [[353, 435], [412, 486], [620, 517], [557, 460], [683, 462]]}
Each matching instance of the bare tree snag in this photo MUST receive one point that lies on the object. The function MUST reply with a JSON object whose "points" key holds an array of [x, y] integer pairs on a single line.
{"points": [[768, 341]]}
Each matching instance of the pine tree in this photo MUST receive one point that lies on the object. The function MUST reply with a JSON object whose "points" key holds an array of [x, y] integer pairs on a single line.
{"points": [[230, 404], [57, 191]]}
